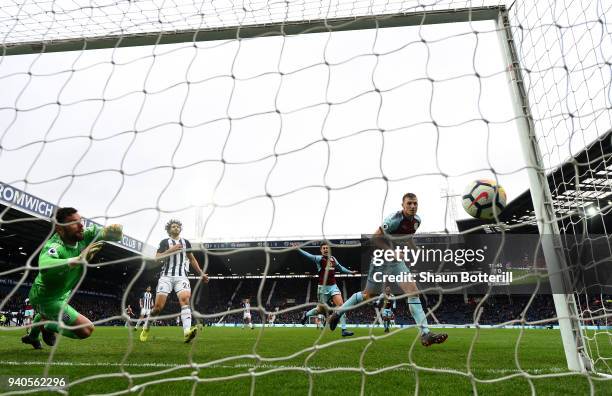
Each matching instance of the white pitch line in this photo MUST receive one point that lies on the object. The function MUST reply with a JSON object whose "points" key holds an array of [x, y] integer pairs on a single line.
{"points": [[86, 364], [262, 366]]}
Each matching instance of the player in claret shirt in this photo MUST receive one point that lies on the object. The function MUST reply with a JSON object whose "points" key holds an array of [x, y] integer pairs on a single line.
{"points": [[388, 303], [327, 290], [28, 315], [272, 317], [129, 313], [403, 222], [61, 264]]}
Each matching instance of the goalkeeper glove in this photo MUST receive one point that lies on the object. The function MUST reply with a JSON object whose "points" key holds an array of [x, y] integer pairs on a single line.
{"points": [[90, 251], [113, 232]]}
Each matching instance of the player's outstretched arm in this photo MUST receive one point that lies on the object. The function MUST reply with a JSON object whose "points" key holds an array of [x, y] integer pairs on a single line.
{"points": [[53, 258], [312, 257], [343, 269], [381, 239], [316, 259], [309, 256]]}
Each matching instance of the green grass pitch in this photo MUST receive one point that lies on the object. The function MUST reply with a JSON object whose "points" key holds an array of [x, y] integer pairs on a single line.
{"points": [[501, 362]]}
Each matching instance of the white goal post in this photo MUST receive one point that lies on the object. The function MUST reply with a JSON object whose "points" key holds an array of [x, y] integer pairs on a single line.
{"points": [[565, 305]]}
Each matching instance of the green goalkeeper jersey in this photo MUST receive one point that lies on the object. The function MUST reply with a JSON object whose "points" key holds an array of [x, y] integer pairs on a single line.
{"points": [[56, 278]]}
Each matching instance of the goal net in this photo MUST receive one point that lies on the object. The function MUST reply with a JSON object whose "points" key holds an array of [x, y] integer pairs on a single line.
{"points": [[265, 126]]}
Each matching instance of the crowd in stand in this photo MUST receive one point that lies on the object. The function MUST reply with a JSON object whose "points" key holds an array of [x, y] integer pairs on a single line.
{"points": [[219, 298]]}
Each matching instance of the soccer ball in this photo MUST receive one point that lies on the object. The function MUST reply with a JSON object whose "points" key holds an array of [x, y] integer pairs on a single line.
{"points": [[478, 199]]}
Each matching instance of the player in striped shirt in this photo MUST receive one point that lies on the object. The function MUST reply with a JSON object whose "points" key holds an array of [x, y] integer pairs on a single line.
{"points": [[146, 304], [176, 255], [327, 290], [246, 317], [403, 222]]}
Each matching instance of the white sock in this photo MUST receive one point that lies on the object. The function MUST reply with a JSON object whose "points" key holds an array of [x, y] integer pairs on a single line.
{"points": [[138, 323], [416, 309], [343, 322], [186, 317]]}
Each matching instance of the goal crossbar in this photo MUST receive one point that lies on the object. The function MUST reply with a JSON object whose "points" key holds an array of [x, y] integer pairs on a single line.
{"points": [[259, 30]]}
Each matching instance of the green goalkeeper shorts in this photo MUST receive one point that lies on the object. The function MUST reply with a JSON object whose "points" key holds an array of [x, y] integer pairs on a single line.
{"points": [[51, 311]]}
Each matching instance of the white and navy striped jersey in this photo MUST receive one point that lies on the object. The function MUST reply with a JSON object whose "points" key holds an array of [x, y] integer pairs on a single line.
{"points": [[247, 307], [178, 263], [146, 302]]}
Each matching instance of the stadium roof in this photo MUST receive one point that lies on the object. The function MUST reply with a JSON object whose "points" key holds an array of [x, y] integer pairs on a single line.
{"points": [[25, 224], [581, 188]]}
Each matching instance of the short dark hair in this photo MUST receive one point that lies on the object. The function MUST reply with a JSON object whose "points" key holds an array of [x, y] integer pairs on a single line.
{"points": [[173, 221], [408, 195], [63, 213], [323, 243]]}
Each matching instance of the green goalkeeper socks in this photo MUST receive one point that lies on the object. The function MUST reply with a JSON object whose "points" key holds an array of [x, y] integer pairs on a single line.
{"points": [[35, 330], [54, 327]]}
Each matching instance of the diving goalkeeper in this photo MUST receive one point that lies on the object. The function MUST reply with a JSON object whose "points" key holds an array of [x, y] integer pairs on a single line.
{"points": [[61, 264]]}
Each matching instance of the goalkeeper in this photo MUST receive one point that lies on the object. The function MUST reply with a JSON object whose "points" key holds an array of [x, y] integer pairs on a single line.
{"points": [[61, 265]]}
